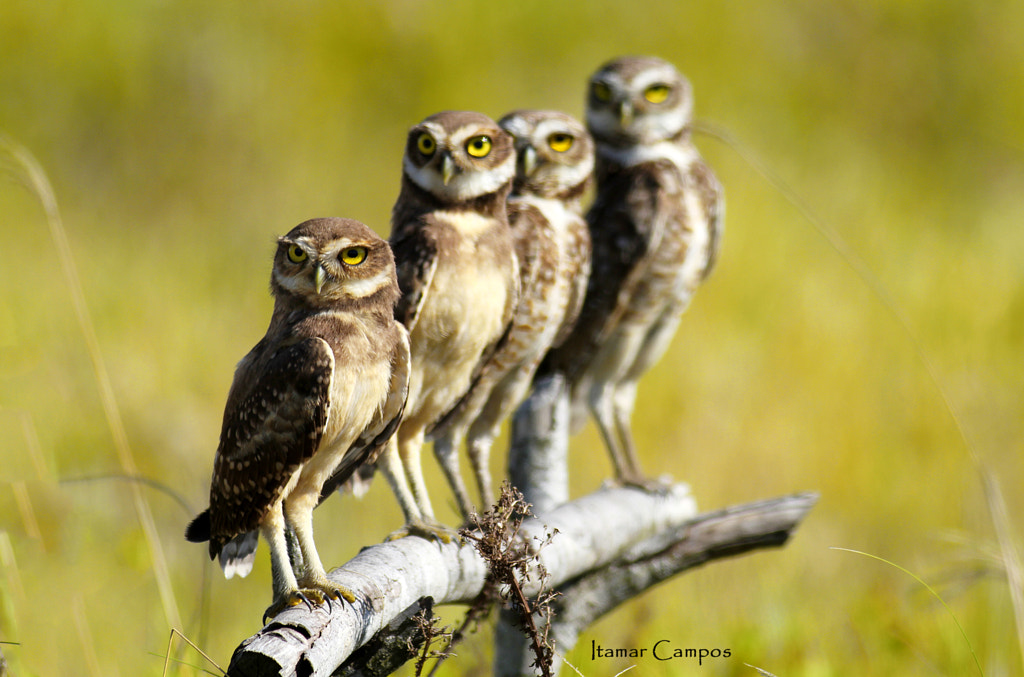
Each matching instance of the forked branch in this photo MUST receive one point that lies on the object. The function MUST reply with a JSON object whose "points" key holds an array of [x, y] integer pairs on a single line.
{"points": [[599, 534]]}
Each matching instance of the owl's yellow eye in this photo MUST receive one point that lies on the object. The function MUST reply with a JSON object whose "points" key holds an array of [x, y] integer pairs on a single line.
{"points": [[479, 146], [602, 92], [297, 254], [559, 142], [353, 256], [656, 93], [426, 144]]}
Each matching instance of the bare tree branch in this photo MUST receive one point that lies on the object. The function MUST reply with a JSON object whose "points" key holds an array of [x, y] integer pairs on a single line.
{"points": [[389, 578], [610, 546], [714, 535], [724, 533], [537, 457], [392, 647], [626, 532]]}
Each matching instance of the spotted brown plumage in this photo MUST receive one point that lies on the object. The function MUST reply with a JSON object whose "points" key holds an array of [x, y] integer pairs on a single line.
{"points": [[555, 158], [274, 428], [656, 226], [459, 280], [311, 403]]}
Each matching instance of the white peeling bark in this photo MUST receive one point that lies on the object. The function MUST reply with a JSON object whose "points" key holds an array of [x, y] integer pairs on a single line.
{"points": [[389, 578], [539, 451], [538, 466], [723, 533]]}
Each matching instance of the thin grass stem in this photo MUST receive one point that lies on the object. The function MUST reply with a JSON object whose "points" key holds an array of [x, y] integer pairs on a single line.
{"points": [[40, 186], [930, 590]]}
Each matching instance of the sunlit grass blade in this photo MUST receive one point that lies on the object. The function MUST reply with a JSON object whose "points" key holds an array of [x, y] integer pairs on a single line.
{"points": [[10, 565], [92, 661], [35, 449], [997, 509], [847, 253], [39, 184], [577, 671], [168, 660], [571, 666], [930, 590], [144, 481], [1010, 552], [28, 513], [764, 673]]}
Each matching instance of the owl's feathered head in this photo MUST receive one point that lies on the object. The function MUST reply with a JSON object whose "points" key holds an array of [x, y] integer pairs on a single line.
{"points": [[328, 261], [638, 100], [458, 156], [555, 153]]}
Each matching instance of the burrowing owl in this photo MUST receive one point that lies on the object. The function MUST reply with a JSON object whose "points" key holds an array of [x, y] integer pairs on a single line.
{"points": [[459, 280], [656, 225], [313, 399], [555, 160]]}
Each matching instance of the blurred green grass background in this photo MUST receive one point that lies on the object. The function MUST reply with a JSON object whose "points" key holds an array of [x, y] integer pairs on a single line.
{"points": [[181, 138]]}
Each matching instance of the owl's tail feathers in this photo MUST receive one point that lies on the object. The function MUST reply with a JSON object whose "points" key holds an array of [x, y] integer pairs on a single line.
{"points": [[360, 481], [198, 530], [238, 554]]}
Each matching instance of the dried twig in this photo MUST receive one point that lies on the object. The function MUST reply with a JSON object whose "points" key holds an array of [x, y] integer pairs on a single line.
{"points": [[510, 558]]}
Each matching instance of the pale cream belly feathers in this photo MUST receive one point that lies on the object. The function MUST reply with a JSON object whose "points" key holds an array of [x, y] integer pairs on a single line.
{"points": [[445, 348]]}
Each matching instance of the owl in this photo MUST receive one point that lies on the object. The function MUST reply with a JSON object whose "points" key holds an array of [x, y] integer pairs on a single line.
{"points": [[316, 398], [555, 160], [656, 225], [459, 280]]}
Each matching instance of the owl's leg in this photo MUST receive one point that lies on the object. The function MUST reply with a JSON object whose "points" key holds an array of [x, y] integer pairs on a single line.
{"points": [[479, 456], [625, 398], [393, 467], [314, 583], [610, 367], [510, 392], [446, 449], [390, 463], [655, 343], [409, 448], [485, 429], [623, 401], [602, 405], [272, 529]]}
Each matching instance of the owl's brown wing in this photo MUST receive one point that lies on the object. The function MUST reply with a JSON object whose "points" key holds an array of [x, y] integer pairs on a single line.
{"points": [[416, 260], [577, 268], [525, 221], [274, 419], [644, 209], [356, 469], [626, 222], [713, 198]]}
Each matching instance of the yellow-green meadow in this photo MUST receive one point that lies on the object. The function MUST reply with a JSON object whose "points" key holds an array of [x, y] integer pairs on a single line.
{"points": [[862, 335]]}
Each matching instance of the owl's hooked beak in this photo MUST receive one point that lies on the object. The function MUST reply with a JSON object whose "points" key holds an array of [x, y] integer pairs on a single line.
{"points": [[447, 168], [319, 277], [625, 113], [529, 159]]}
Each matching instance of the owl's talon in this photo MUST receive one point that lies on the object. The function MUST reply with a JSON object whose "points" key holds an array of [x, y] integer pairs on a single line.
{"points": [[334, 595], [430, 531], [286, 601], [323, 590], [313, 597]]}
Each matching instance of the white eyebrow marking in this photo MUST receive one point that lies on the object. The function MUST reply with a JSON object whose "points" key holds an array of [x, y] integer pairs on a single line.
{"points": [[363, 288]]}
